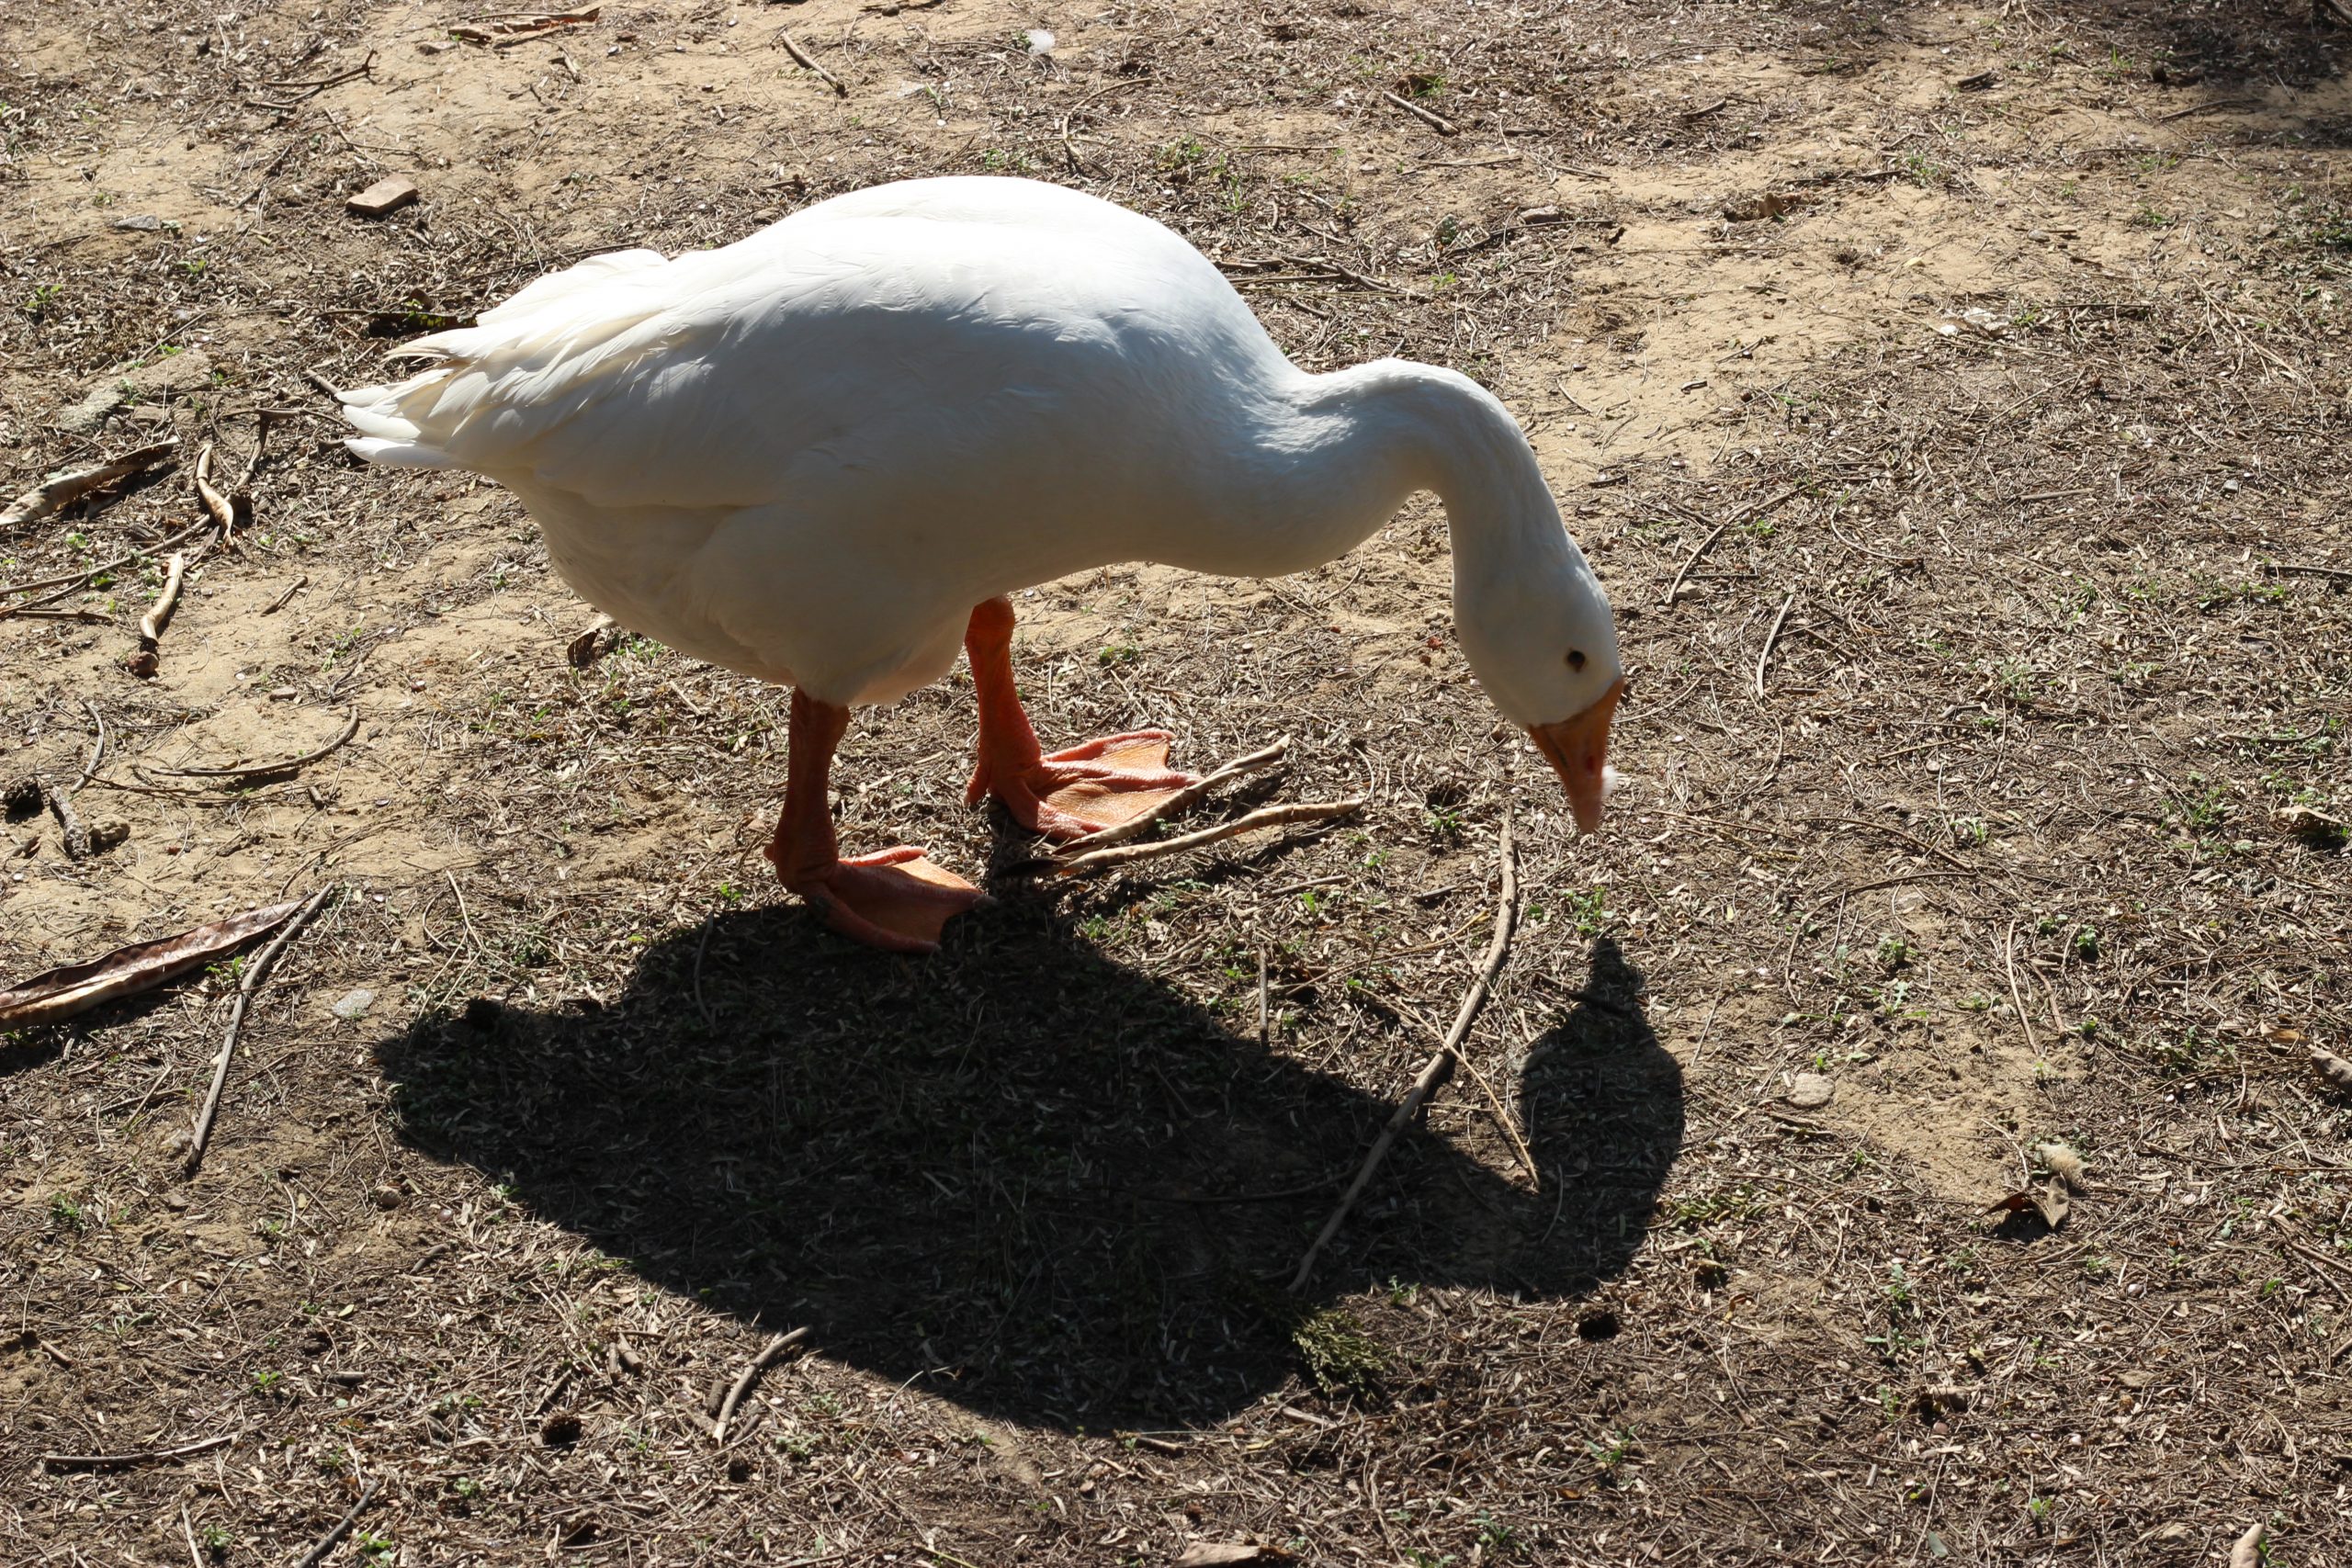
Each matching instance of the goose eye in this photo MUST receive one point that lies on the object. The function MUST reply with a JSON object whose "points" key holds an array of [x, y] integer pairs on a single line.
{"points": [[1576, 658]]}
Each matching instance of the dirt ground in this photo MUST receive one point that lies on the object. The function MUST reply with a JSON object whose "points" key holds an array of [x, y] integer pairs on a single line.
{"points": [[1953, 399]]}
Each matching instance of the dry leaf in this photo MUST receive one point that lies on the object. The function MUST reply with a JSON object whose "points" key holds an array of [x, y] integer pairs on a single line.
{"points": [[1209, 1554], [2065, 1164], [2335, 1069], [77, 987], [522, 29], [2247, 1552], [2044, 1198]]}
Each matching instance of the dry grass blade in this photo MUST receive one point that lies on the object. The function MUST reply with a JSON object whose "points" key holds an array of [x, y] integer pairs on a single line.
{"points": [[262, 769], [61, 993], [1270, 816], [61, 490], [255, 971], [1439, 1067], [1181, 801], [1744, 516], [1772, 641], [750, 1375]]}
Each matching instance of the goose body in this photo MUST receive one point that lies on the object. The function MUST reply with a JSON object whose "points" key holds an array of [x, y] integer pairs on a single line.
{"points": [[811, 455]]}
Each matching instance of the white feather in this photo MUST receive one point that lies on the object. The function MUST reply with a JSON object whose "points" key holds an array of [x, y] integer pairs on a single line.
{"points": [[808, 454]]}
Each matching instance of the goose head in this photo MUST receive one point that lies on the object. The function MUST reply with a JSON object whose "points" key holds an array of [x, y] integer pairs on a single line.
{"points": [[1542, 642]]}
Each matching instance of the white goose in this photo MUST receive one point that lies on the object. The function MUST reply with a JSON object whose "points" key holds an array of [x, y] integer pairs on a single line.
{"points": [[825, 454]]}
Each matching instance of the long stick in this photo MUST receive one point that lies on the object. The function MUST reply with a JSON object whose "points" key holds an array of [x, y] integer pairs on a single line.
{"points": [[253, 972], [1183, 799], [313, 1558], [159, 616], [57, 490], [145, 1456], [742, 1385], [1270, 816], [215, 504], [808, 62], [1440, 1067], [1746, 514], [254, 770]]}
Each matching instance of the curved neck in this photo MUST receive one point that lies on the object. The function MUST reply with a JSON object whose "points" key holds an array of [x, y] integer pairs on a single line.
{"points": [[1391, 428]]}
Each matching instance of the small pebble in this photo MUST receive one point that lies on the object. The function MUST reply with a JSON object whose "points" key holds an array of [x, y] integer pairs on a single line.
{"points": [[1810, 1091], [353, 1004]]}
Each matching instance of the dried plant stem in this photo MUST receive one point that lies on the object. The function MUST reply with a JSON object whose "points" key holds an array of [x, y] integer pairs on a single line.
{"points": [[1745, 514], [253, 978], [77, 837], [87, 573], [1440, 1067], [159, 616], [751, 1374], [1270, 817], [1182, 800], [1430, 118]]}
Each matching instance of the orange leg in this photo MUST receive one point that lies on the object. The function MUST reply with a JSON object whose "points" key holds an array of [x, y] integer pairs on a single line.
{"points": [[1069, 793], [896, 899]]}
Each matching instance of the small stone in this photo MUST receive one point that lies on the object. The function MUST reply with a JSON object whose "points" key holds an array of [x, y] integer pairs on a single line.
{"points": [[386, 1197], [144, 224], [355, 1004], [387, 195], [107, 834], [1810, 1091], [283, 694]]}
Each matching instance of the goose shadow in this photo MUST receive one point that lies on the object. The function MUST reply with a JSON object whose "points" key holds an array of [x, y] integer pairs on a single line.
{"points": [[1041, 1184]]}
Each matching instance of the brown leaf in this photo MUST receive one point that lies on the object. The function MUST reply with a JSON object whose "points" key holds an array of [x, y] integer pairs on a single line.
{"points": [[77, 987], [2047, 1198]]}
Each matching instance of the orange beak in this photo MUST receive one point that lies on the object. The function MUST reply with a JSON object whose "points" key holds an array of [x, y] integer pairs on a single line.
{"points": [[1577, 748]]}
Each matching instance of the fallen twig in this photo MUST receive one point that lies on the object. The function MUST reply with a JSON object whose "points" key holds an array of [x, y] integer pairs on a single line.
{"points": [[1771, 639], [98, 750], [1270, 816], [143, 1456], [253, 976], [2288, 569], [808, 62], [742, 1385], [158, 617], [1746, 514], [61, 490], [77, 838], [215, 504], [313, 89], [1182, 800], [1430, 118], [84, 574], [291, 589], [317, 1554], [76, 987], [524, 27], [1440, 1067], [255, 769]]}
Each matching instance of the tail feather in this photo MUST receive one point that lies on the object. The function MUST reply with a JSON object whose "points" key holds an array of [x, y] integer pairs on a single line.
{"points": [[459, 412]]}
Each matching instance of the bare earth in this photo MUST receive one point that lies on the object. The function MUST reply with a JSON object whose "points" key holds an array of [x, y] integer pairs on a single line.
{"points": [[1982, 370]]}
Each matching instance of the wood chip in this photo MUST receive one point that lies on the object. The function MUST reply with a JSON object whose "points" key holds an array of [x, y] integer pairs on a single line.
{"points": [[387, 195]]}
